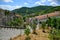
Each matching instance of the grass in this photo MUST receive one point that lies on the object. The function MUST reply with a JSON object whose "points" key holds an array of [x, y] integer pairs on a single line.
{"points": [[58, 33], [55, 35], [50, 36]]}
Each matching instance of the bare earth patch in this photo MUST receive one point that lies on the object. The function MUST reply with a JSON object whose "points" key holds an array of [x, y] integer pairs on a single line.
{"points": [[40, 36]]}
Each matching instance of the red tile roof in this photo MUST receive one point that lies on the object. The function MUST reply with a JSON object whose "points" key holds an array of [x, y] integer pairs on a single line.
{"points": [[48, 15]]}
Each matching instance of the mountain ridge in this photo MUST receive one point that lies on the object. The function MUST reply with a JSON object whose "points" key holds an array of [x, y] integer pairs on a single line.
{"points": [[36, 10]]}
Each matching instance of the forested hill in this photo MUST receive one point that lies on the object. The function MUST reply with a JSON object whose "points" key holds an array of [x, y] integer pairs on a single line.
{"points": [[38, 10]]}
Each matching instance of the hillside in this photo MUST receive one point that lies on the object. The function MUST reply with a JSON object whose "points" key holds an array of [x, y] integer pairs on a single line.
{"points": [[38, 10], [34, 11]]}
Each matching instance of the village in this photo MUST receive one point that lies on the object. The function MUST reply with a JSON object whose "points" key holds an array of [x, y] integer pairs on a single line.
{"points": [[42, 27], [29, 19]]}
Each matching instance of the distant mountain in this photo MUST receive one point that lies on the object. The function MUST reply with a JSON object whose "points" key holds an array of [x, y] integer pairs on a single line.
{"points": [[38, 10]]}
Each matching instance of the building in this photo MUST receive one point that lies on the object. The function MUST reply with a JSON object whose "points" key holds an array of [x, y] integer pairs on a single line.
{"points": [[44, 17], [6, 18]]}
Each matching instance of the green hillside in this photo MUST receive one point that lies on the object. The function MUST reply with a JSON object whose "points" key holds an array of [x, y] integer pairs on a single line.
{"points": [[38, 10]]}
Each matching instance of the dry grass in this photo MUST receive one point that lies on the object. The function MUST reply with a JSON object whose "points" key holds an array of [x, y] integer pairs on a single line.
{"points": [[40, 36]]}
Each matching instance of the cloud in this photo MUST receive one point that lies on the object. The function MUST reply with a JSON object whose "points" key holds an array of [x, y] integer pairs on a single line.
{"points": [[54, 0], [47, 2], [57, 0], [50, 0], [8, 0], [25, 3], [39, 3], [42, 1], [53, 4], [9, 7]]}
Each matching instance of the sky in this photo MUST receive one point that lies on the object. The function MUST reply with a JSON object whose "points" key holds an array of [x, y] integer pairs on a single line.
{"points": [[14, 4]]}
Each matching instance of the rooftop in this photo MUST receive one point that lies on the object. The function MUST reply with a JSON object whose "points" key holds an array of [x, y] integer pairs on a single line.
{"points": [[56, 13]]}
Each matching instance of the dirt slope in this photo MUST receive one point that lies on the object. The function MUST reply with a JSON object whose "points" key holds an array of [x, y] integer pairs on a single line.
{"points": [[40, 36]]}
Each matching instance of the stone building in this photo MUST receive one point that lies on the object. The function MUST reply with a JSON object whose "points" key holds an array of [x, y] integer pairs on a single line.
{"points": [[6, 18], [42, 18], [1, 16]]}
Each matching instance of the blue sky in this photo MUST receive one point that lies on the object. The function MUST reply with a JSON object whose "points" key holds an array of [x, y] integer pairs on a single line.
{"points": [[14, 4]]}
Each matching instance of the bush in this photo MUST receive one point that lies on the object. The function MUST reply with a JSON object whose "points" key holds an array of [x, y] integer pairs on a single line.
{"points": [[27, 31]]}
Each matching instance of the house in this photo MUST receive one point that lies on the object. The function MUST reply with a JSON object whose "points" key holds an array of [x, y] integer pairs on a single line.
{"points": [[1, 16], [6, 18], [44, 17]]}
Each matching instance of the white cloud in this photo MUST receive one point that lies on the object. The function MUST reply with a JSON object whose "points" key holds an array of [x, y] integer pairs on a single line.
{"points": [[53, 4], [42, 1], [50, 0], [9, 7], [25, 3], [7, 0], [39, 3]]}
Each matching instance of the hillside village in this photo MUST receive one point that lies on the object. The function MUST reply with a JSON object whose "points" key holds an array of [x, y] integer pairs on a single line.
{"points": [[4, 18], [12, 16], [41, 35], [29, 19], [37, 26]]}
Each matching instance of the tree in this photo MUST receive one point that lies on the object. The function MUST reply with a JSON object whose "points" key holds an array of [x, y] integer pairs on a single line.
{"points": [[27, 32], [43, 26], [54, 22], [10, 23], [16, 22], [58, 23], [49, 21], [33, 26], [7, 12]]}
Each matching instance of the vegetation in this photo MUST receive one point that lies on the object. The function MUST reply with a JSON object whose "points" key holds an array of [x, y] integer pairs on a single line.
{"points": [[7, 12], [33, 26], [27, 32], [35, 11], [54, 35], [16, 22], [49, 21], [43, 26], [26, 12]]}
